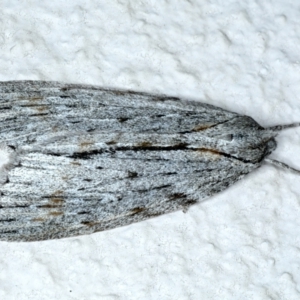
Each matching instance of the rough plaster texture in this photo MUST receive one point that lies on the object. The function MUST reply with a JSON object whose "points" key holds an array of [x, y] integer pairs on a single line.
{"points": [[240, 55]]}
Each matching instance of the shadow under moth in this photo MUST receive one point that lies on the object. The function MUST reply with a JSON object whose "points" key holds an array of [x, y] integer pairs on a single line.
{"points": [[76, 159]]}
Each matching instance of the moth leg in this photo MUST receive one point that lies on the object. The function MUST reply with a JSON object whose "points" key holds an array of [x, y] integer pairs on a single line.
{"points": [[185, 208]]}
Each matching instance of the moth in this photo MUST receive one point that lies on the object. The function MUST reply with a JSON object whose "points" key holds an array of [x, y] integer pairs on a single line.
{"points": [[76, 159]]}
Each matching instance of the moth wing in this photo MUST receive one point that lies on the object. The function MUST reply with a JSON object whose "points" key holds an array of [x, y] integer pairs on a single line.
{"points": [[51, 197]]}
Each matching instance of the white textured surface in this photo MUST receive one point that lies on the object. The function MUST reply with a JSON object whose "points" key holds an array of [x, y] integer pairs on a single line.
{"points": [[242, 56]]}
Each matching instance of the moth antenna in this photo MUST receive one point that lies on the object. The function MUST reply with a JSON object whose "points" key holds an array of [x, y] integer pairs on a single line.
{"points": [[282, 127], [281, 165]]}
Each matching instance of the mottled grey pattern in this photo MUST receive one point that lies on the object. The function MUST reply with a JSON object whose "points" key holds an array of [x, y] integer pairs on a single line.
{"points": [[85, 159]]}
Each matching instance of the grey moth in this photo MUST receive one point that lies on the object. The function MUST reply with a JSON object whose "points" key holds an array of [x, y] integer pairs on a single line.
{"points": [[77, 159]]}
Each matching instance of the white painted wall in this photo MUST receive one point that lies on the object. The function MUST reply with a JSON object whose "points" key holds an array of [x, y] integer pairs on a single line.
{"points": [[240, 55]]}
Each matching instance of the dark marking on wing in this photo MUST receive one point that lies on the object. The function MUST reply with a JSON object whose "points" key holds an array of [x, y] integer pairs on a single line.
{"points": [[56, 213], [8, 220], [122, 120], [111, 142], [176, 196], [137, 210], [165, 98], [132, 174], [89, 223]]}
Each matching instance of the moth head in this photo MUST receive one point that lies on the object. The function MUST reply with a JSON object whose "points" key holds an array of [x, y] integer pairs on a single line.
{"points": [[244, 139]]}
